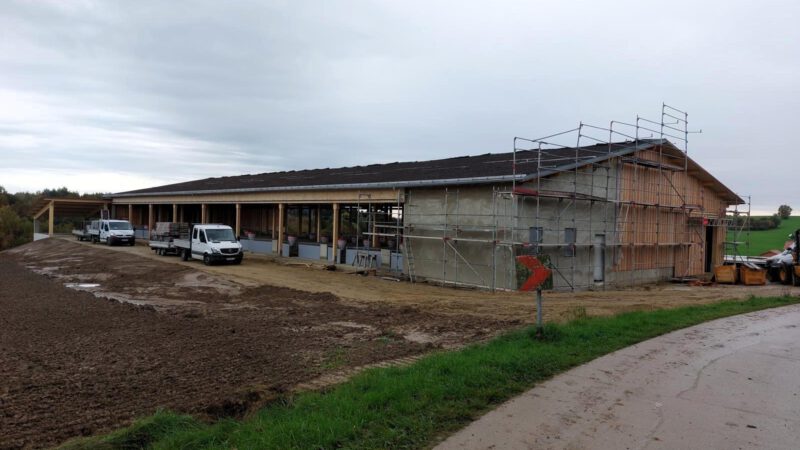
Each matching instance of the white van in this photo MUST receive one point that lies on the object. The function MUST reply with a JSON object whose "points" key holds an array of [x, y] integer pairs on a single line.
{"points": [[112, 232], [212, 243]]}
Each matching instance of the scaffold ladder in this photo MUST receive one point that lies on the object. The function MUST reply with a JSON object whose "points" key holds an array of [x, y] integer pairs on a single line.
{"points": [[409, 258]]}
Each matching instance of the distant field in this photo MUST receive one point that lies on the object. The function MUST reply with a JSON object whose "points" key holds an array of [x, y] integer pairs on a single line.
{"points": [[762, 241]]}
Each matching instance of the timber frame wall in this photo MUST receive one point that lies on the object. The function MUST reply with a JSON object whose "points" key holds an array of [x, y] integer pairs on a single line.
{"points": [[620, 213]]}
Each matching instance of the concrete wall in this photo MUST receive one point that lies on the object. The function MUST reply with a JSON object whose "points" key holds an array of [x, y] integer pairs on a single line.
{"points": [[451, 231]]}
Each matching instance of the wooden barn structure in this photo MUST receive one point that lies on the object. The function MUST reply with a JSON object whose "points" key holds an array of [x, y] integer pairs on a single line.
{"points": [[612, 213]]}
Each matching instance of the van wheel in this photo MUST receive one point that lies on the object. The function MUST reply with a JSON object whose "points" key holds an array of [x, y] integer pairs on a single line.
{"points": [[771, 275], [795, 278], [184, 255], [206, 260]]}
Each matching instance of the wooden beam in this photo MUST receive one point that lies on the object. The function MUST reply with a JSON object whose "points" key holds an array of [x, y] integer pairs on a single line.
{"points": [[130, 213], [149, 220], [44, 209], [281, 225], [238, 220], [203, 213], [52, 218], [335, 237], [331, 196]]}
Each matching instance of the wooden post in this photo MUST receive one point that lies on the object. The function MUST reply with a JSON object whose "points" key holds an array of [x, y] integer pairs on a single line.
{"points": [[51, 220], [374, 216], [174, 212], [335, 236], [130, 213], [203, 212], [281, 224], [238, 220], [319, 222], [149, 220]]}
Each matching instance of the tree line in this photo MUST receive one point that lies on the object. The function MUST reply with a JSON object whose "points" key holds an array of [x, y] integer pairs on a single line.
{"points": [[16, 225], [765, 222]]}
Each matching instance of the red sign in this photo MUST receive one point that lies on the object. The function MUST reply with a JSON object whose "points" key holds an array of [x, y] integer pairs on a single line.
{"points": [[539, 273]]}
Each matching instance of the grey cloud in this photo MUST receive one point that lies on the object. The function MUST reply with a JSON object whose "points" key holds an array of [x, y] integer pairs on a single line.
{"points": [[243, 87]]}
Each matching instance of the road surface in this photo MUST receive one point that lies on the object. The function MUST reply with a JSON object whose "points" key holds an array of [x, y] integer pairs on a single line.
{"points": [[732, 383]]}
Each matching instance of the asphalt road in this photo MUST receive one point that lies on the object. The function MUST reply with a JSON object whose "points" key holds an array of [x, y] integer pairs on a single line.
{"points": [[732, 383]]}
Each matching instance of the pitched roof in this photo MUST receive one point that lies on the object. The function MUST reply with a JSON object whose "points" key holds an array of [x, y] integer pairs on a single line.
{"points": [[487, 168]]}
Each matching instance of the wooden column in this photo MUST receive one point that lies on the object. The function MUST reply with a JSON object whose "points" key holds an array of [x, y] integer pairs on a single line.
{"points": [[149, 220], [130, 214], [281, 225], [174, 212], [238, 220], [335, 237], [203, 213], [51, 219], [319, 222]]}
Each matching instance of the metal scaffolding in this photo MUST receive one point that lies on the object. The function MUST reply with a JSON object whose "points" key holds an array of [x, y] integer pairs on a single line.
{"points": [[590, 198]]}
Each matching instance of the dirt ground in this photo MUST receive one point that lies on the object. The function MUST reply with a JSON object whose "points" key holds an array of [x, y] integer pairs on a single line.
{"points": [[141, 331], [74, 364], [558, 306]]}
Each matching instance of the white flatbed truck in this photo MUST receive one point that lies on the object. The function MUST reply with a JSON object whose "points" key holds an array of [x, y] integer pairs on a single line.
{"points": [[211, 243], [81, 234]]}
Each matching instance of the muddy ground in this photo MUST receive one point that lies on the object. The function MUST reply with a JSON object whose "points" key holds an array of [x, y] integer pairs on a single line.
{"points": [[222, 340], [76, 363]]}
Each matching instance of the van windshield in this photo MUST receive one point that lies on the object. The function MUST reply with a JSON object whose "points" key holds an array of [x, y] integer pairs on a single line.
{"points": [[119, 225], [220, 234]]}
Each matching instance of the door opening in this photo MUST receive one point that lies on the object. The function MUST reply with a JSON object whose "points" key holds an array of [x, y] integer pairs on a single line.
{"points": [[709, 260], [599, 258]]}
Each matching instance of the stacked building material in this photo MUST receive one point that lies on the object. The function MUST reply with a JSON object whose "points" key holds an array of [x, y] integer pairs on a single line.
{"points": [[167, 231]]}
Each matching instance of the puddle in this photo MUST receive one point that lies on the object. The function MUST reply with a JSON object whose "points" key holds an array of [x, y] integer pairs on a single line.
{"points": [[81, 286], [419, 337]]}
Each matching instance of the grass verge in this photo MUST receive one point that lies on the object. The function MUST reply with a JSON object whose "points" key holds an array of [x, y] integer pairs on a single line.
{"points": [[410, 407], [765, 240]]}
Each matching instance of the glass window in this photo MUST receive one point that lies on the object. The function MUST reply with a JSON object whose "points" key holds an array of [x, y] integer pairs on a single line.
{"points": [[120, 225], [224, 234], [570, 235], [535, 238]]}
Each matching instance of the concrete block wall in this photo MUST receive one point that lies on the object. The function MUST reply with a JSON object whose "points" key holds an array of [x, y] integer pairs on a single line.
{"points": [[460, 259]]}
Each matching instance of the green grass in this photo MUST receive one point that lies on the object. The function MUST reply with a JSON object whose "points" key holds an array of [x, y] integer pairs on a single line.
{"points": [[762, 241], [412, 406]]}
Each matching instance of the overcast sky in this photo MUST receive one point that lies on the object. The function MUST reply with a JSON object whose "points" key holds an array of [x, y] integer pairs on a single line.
{"points": [[112, 96]]}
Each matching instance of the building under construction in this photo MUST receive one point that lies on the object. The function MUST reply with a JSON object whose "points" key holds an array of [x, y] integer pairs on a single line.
{"points": [[602, 206]]}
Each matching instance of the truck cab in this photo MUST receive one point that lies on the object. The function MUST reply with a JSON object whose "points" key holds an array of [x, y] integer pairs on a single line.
{"points": [[112, 232], [212, 244]]}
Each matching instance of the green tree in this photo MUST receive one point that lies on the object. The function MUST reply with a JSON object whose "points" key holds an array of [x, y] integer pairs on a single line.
{"points": [[14, 230], [784, 211], [4, 199]]}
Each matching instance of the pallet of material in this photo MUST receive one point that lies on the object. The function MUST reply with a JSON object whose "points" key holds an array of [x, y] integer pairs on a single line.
{"points": [[752, 275], [725, 274], [165, 230]]}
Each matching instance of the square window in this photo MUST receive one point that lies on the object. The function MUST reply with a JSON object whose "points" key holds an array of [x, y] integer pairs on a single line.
{"points": [[570, 235]]}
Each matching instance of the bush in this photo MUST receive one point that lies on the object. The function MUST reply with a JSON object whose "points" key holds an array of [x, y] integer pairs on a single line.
{"points": [[14, 230], [784, 211]]}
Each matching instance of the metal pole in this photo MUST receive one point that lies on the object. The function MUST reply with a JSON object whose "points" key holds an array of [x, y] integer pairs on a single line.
{"points": [[539, 332]]}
